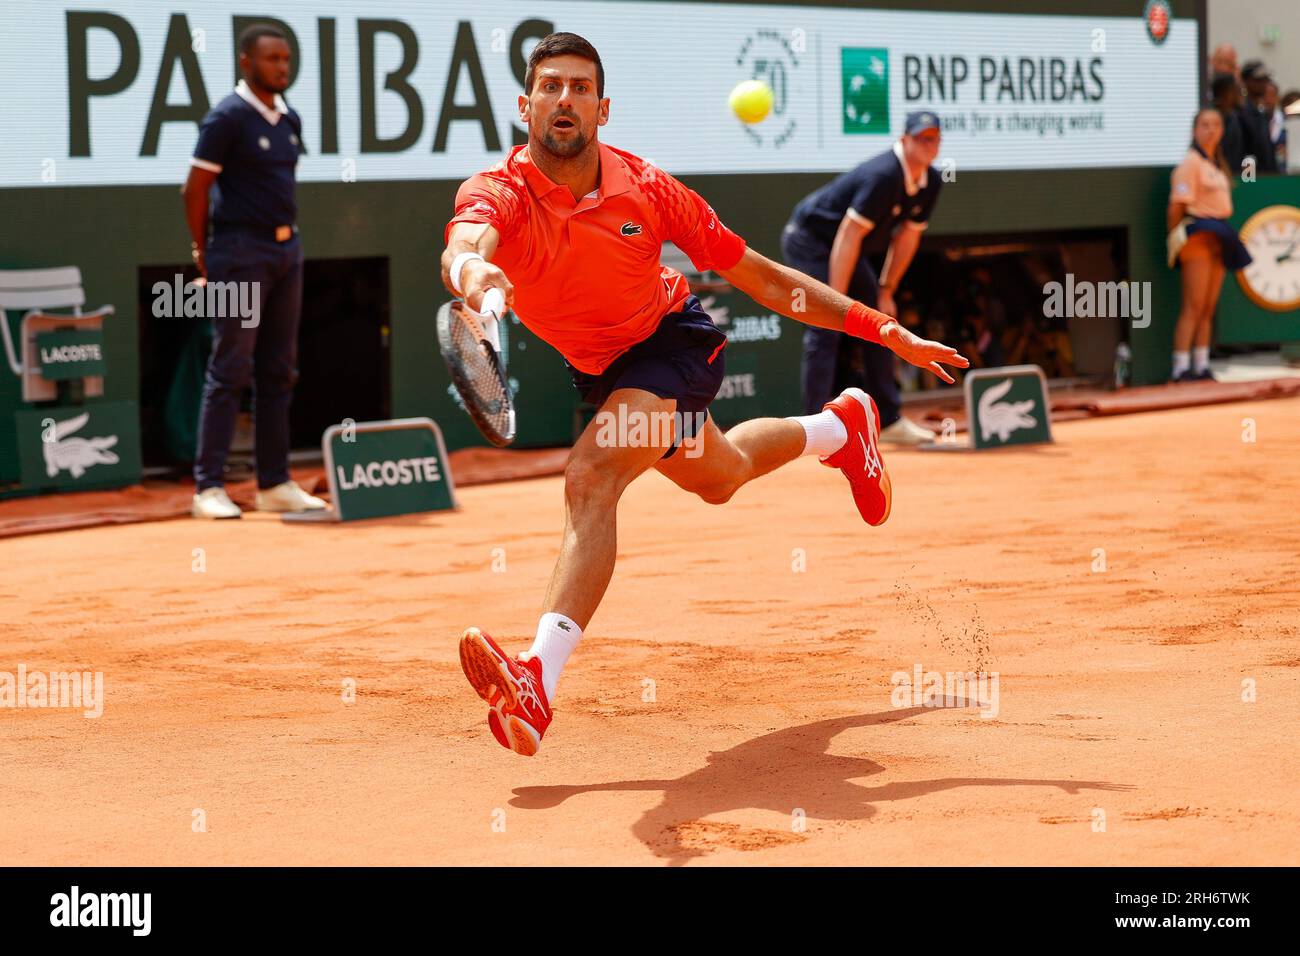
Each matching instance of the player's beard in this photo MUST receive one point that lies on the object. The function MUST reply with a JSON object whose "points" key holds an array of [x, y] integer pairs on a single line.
{"points": [[566, 149], [271, 81]]}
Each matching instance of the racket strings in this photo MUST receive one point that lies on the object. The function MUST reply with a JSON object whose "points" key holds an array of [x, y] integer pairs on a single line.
{"points": [[480, 371]]}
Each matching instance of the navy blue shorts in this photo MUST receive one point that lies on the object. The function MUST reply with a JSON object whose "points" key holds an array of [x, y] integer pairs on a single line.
{"points": [[682, 360]]}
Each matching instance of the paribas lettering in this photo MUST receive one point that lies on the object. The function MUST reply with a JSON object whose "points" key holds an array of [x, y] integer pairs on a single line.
{"points": [[180, 96], [1006, 79]]}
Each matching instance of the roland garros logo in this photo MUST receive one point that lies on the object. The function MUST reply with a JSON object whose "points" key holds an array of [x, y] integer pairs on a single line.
{"points": [[773, 57], [1157, 16]]}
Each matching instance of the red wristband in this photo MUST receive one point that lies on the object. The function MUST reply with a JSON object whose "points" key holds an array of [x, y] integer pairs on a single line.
{"points": [[864, 322]]}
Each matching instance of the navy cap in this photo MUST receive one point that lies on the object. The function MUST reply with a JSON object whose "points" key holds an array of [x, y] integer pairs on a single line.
{"points": [[919, 122]]}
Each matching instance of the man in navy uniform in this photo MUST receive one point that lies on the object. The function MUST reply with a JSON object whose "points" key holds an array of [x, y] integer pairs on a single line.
{"points": [[1256, 117], [881, 206], [248, 147]]}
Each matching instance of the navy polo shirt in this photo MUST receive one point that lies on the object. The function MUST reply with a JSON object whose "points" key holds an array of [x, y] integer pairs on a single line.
{"points": [[879, 191], [253, 150]]}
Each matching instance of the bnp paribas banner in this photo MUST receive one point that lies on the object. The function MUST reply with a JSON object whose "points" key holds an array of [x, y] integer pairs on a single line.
{"points": [[399, 89]]}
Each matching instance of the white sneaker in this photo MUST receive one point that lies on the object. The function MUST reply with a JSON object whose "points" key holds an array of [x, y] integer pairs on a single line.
{"points": [[906, 432], [288, 497], [214, 503]]}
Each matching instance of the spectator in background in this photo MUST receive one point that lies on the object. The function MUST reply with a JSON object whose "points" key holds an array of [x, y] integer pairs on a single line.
{"points": [[1039, 341], [1201, 243], [1224, 60], [1226, 93], [1276, 128], [1059, 353], [985, 349], [988, 301], [966, 335], [1286, 105], [1255, 120]]}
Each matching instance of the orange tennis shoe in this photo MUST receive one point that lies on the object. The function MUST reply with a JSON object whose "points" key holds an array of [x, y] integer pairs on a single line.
{"points": [[513, 688], [860, 459]]}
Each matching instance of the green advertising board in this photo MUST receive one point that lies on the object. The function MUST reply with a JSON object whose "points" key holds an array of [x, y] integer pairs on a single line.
{"points": [[71, 353], [74, 449], [1261, 304], [1007, 406], [379, 469]]}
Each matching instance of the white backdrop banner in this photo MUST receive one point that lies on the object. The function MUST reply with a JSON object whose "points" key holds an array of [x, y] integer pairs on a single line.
{"points": [[427, 90]]}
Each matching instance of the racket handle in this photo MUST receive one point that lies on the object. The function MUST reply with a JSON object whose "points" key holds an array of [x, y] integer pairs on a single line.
{"points": [[493, 304], [492, 308]]}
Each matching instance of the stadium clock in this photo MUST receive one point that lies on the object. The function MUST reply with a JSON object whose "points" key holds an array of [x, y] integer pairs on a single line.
{"points": [[1272, 236]]}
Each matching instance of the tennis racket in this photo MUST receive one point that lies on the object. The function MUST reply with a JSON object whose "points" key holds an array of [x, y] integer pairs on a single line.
{"points": [[470, 343]]}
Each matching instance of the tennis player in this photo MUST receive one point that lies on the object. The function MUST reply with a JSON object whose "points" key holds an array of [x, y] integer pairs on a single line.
{"points": [[570, 230]]}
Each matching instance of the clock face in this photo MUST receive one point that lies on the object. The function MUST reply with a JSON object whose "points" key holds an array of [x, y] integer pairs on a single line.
{"points": [[1272, 236]]}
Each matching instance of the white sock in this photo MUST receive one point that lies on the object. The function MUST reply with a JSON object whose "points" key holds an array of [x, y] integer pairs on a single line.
{"points": [[825, 432], [557, 636], [1200, 358], [1181, 364]]}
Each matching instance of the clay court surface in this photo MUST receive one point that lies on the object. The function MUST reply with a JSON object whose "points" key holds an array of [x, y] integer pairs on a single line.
{"points": [[1120, 691]]}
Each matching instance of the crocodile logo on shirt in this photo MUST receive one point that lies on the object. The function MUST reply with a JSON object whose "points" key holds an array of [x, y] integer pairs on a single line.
{"points": [[630, 229]]}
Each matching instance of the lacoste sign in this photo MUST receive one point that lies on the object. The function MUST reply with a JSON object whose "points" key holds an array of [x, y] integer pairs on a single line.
{"points": [[96, 446], [1007, 406], [71, 353], [380, 469]]}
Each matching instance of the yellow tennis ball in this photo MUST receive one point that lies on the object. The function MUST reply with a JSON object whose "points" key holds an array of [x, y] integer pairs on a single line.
{"points": [[751, 101]]}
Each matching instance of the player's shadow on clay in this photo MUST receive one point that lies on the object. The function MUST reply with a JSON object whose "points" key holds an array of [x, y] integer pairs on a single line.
{"points": [[778, 771]]}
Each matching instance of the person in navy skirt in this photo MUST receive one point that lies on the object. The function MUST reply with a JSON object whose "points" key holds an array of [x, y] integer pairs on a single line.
{"points": [[1202, 243]]}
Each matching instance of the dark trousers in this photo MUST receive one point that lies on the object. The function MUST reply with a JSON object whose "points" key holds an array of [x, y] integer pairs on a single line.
{"points": [[823, 349], [264, 356]]}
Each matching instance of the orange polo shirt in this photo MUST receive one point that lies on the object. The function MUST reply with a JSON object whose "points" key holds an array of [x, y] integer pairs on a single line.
{"points": [[1202, 186], [586, 273]]}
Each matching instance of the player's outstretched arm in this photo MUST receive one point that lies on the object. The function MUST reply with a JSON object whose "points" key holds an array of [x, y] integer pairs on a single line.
{"points": [[806, 300], [474, 244]]}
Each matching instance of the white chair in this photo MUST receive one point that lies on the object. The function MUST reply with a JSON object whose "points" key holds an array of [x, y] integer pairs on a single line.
{"points": [[35, 291]]}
